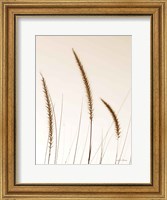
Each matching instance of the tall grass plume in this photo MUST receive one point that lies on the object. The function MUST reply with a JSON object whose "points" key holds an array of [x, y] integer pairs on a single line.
{"points": [[115, 118], [116, 122], [89, 98], [50, 115]]}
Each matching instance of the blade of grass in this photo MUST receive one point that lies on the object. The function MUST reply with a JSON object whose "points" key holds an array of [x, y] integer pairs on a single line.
{"points": [[70, 148], [54, 116], [79, 126], [108, 144], [116, 156], [59, 135], [125, 140], [101, 155], [84, 146], [63, 145]]}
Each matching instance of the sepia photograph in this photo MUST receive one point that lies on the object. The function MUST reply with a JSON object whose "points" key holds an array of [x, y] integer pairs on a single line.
{"points": [[83, 100]]}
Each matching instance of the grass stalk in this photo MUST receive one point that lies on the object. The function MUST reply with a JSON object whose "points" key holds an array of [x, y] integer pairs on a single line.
{"points": [[79, 126], [90, 142], [84, 146], [101, 155], [89, 98], [125, 140], [63, 145], [50, 115], [46, 150], [116, 157], [70, 148], [108, 144], [114, 116], [54, 116], [116, 123], [60, 123]]}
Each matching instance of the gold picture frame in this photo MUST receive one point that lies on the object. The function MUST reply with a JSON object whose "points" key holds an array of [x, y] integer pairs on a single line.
{"points": [[157, 10]]}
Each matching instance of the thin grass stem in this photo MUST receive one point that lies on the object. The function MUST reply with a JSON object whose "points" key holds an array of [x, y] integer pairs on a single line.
{"points": [[101, 155], [116, 157], [90, 146], [70, 148], [125, 140], [108, 144], [46, 150], [63, 148], [79, 126], [59, 135], [84, 146]]}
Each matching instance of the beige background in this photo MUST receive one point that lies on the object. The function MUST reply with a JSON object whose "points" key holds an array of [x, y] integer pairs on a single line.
{"points": [[107, 62]]}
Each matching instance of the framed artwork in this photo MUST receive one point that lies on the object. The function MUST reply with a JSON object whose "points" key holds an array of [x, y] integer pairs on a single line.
{"points": [[83, 97], [70, 142]]}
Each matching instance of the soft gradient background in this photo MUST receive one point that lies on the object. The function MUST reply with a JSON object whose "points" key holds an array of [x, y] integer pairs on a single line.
{"points": [[107, 62]]}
